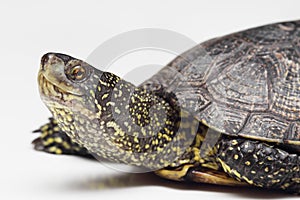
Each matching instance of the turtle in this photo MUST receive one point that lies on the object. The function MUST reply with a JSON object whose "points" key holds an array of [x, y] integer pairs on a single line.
{"points": [[224, 112]]}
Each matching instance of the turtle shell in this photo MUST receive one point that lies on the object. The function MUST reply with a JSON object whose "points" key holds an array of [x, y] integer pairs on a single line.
{"points": [[243, 84]]}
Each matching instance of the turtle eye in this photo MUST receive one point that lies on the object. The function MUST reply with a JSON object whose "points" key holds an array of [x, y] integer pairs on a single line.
{"points": [[77, 73]]}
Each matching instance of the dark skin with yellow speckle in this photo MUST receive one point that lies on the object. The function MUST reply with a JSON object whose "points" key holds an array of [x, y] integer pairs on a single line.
{"points": [[105, 116], [111, 117]]}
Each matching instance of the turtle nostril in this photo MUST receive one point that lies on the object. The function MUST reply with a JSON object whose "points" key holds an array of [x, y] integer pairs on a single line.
{"points": [[50, 58], [44, 60]]}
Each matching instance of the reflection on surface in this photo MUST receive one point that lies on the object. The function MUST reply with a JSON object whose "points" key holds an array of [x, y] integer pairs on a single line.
{"points": [[122, 181]]}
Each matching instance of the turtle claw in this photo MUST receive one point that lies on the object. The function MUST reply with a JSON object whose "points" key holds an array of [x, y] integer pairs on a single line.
{"points": [[36, 131], [38, 144]]}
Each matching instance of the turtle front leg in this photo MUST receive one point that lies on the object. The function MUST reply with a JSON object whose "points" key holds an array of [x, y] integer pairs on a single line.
{"points": [[260, 164], [53, 140]]}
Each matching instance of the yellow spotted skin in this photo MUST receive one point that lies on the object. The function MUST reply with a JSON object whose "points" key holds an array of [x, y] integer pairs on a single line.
{"points": [[110, 118], [260, 164], [115, 120], [53, 140]]}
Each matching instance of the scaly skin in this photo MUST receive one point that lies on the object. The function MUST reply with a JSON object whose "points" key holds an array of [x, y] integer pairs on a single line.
{"points": [[260, 164], [112, 118], [53, 140]]}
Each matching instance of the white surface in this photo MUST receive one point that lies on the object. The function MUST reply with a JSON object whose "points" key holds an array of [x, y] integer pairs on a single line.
{"points": [[30, 28]]}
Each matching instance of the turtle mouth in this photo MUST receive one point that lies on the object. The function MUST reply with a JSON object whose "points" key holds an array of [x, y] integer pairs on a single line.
{"points": [[54, 95]]}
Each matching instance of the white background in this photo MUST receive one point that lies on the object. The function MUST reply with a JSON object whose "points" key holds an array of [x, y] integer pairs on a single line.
{"points": [[30, 28]]}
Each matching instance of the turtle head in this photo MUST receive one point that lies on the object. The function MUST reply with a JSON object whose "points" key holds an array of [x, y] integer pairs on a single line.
{"points": [[63, 79], [73, 86], [68, 86], [111, 117]]}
